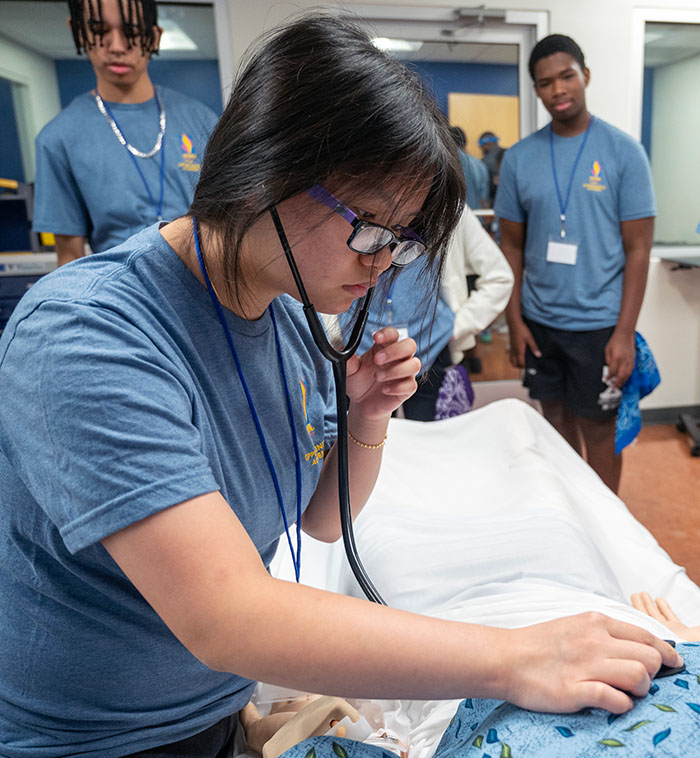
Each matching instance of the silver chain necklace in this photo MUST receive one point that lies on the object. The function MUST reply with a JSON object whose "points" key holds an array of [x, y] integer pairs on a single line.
{"points": [[104, 110]]}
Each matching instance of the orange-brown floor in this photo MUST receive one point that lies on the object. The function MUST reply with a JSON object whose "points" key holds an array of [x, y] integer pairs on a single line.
{"points": [[661, 487], [495, 360]]}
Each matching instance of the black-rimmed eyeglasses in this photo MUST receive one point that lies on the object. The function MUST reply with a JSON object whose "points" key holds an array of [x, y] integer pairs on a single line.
{"points": [[368, 238]]}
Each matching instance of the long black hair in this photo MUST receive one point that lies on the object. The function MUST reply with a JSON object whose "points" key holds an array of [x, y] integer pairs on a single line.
{"points": [[139, 19], [316, 99]]}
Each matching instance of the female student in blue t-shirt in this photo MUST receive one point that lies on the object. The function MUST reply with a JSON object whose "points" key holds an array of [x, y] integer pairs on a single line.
{"points": [[165, 419]]}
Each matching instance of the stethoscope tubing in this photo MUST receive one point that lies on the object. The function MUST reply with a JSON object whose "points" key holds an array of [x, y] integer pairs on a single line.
{"points": [[338, 359]]}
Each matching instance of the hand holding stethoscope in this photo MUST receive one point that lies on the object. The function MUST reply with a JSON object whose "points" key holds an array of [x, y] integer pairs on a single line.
{"points": [[379, 381]]}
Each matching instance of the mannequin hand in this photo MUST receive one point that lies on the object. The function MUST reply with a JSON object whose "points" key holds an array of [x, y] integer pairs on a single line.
{"points": [[619, 355], [381, 379], [584, 660], [660, 610], [520, 339]]}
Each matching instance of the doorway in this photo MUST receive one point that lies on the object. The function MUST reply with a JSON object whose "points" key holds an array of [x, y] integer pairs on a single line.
{"points": [[475, 60]]}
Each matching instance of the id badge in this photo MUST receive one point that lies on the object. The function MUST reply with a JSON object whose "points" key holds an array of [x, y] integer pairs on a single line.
{"points": [[562, 251], [402, 329]]}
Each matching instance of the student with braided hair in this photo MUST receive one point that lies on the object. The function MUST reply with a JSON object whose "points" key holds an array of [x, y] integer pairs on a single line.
{"points": [[125, 154]]}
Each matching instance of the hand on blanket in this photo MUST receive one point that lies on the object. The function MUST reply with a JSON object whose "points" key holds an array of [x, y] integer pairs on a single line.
{"points": [[383, 377], [585, 660], [660, 610]]}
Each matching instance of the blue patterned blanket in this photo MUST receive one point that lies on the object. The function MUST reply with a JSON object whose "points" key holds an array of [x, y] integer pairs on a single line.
{"points": [[666, 722]]}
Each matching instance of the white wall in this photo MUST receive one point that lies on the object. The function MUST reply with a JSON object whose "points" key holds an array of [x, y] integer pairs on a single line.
{"points": [[38, 102], [670, 322], [670, 316], [601, 27]]}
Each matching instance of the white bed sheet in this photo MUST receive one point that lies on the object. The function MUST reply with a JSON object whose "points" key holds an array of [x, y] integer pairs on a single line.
{"points": [[492, 518]]}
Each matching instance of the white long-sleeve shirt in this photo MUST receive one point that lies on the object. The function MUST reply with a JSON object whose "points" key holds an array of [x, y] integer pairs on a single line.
{"points": [[472, 251]]}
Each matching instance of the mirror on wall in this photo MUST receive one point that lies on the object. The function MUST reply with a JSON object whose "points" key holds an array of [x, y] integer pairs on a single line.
{"points": [[670, 119]]}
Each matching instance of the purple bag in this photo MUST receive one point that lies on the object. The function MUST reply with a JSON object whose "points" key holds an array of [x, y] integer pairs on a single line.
{"points": [[456, 394]]}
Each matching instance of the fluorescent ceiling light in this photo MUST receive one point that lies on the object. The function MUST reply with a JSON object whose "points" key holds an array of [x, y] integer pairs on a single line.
{"points": [[389, 45], [174, 38]]}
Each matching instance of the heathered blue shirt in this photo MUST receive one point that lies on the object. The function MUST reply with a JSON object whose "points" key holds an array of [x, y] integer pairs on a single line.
{"points": [[476, 176], [86, 182], [121, 399], [612, 183], [412, 305]]}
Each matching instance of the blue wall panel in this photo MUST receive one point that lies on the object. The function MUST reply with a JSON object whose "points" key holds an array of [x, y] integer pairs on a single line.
{"points": [[196, 78], [11, 167], [200, 79], [475, 78]]}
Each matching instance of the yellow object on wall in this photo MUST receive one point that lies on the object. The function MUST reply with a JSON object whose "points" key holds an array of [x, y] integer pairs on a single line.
{"points": [[476, 114]]}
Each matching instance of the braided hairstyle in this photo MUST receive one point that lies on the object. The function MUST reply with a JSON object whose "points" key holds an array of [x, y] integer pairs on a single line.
{"points": [[139, 19]]}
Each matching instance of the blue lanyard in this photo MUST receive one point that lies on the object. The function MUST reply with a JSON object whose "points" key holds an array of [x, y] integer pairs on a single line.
{"points": [[296, 556], [390, 303], [564, 205], [159, 207]]}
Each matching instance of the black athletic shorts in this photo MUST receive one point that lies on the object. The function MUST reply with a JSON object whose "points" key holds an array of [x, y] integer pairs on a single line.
{"points": [[214, 742], [571, 370]]}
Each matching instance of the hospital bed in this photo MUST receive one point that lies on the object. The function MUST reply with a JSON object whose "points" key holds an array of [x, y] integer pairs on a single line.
{"points": [[492, 518]]}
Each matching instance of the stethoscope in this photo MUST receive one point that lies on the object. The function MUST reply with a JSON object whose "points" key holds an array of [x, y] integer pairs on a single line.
{"points": [[338, 359]]}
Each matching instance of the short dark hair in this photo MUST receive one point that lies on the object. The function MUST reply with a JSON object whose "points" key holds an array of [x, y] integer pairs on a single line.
{"points": [[139, 18], [555, 43], [314, 100]]}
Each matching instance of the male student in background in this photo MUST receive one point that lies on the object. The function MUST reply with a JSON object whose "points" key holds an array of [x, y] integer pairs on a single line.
{"points": [[127, 153], [576, 209], [491, 155], [476, 175]]}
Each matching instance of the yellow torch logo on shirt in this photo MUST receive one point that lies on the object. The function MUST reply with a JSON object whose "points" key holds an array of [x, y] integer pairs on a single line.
{"points": [[315, 455], [594, 183], [310, 429], [189, 157]]}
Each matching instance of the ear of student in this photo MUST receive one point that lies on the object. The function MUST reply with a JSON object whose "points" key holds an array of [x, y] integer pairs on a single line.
{"points": [[157, 36]]}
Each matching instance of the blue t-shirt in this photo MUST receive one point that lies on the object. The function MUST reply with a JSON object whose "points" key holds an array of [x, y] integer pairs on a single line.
{"points": [[612, 183], [412, 305], [86, 182], [121, 399], [476, 176]]}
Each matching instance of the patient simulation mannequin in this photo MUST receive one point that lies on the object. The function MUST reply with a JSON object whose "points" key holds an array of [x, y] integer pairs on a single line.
{"points": [[533, 537], [507, 566], [291, 721], [660, 610]]}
